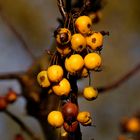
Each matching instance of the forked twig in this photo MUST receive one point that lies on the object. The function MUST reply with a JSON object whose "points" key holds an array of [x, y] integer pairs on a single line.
{"points": [[60, 4]]}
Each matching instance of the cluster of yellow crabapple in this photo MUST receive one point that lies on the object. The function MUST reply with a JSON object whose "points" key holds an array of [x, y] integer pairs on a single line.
{"points": [[80, 51]]}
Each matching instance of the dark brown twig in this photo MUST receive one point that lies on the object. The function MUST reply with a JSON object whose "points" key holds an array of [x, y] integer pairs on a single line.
{"points": [[16, 33], [5, 76], [21, 124], [60, 4], [13, 76], [120, 81]]}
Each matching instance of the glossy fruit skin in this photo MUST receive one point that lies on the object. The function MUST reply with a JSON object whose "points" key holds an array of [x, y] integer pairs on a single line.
{"points": [[63, 36], [78, 42], [92, 61], [42, 79], [72, 127], [11, 96], [95, 41], [62, 88], [90, 93], [68, 67], [74, 63], [83, 24], [55, 119], [70, 112], [55, 73], [83, 117], [3, 103]]}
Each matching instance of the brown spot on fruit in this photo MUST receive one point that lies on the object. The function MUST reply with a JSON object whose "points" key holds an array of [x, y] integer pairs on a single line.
{"points": [[42, 78], [64, 37], [88, 25], [93, 40]]}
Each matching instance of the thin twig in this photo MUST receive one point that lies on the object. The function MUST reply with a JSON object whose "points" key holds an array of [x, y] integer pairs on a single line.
{"points": [[22, 125], [16, 33], [120, 81], [60, 4]]}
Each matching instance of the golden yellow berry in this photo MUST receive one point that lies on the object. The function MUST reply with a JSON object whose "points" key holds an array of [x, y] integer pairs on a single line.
{"points": [[90, 93], [92, 61], [42, 79], [63, 36], [62, 88], [83, 116], [55, 118], [68, 67], [76, 62], [63, 51], [95, 41], [78, 42], [83, 24], [55, 73]]}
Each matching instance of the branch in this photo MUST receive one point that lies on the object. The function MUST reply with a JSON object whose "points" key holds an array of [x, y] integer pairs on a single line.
{"points": [[11, 76], [120, 81], [16, 33], [21, 124], [60, 4]]}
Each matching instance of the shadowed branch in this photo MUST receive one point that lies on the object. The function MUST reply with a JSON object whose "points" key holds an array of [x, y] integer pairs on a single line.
{"points": [[120, 81], [16, 33], [22, 125], [60, 4]]}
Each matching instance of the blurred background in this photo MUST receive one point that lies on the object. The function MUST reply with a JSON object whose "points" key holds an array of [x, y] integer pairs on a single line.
{"points": [[36, 20]]}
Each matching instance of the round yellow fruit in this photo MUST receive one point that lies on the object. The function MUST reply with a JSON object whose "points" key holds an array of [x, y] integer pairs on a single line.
{"points": [[62, 88], [83, 24], [83, 117], [42, 79], [55, 73], [76, 62], [133, 125], [90, 93], [63, 36], [95, 41], [68, 67], [55, 118], [78, 42], [92, 61]]}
